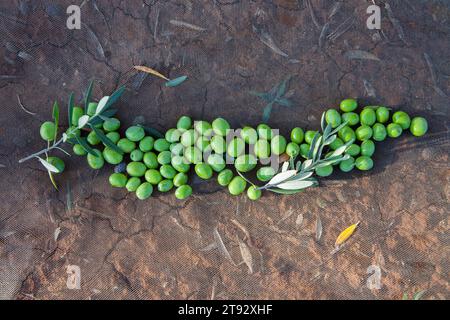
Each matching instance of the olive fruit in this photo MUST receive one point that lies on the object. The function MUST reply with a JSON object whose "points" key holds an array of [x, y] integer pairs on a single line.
{"points": [[353, 150], [237, 186], [203, 170], [95, 162], [180, 179], [419, 126], [47, 131], [203, 127], [363, 133], [352, 118], [337, 143], [220, 126], [126, 145], [182, 192], [93, 138], [176, 149], [333, 118], [113, 136], [348, 105], [58, 163], [203, 144], [189, 137], [153, 176], [278, 145], [146, 144], [264, 131], [236, 147], [401, 118], [118, 180], [382, 114], [150, 160], [135, 133], [304, 150], [111, 124], [262, 149], [324, 171], [161, 145], [368, 116], [347, 134], [297, 135], [179, 164], [367, 148], [144, 191], [167, 171], [253, 193], [245, 163], [224, 177], [184, 123], [111, 156], [77, 112], [249, 135], [164, 157], [72, 132], [79, 150], [92, 108], [173, 135], [309, 136], [265, 173], [165, 185], [379, 132], [136, 169], [364, 163], [218, 144], [137, 155], [347, 165], [394, 130], [132, 184], [216, 162], [292, 149], [193, 155]]}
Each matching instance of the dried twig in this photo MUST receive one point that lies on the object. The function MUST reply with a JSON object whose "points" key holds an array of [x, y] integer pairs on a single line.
{"points": [[179, 23], [341, 29], [313, 15], [23, 107], [221, 246], [323, 34], [396, 23]]}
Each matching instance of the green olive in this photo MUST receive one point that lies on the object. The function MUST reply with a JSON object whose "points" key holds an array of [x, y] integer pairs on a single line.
{"points": [[111, 156], [165, 185], [292, 149], [177, 149], [347, 134], [237, 186], [278, 145], [265, 173], [347, 165], [204, 128], [253, 193], [111, 124], [394, 130], [367, 148], [364, 163], [353, 150], [249, 135], [79, 150], [72, 132], [167, 171], [93, 139], [337, 143], [216, 162], [126, 145], [193, 155], [150, 160], [164, 157], [47, 131], [262, 149], [135, 133], [118, 180], [324, 171], [77, 113], [92, 108], [136, 155], [236, 147], [379, 132], [184, 123], [218, 144], [297, 135], [182, 192], [132, 184], [333, 117], [180, 164], [113, 136], [348, 105], [245, 163], [136, 169], [161, 145], [189, 137], [368, 116], [144, 191], [419, 126], [153, 176], [264, 131], [180, 179], [304, 150], [204, 171], [96, 162], [173, 135], [58, 163], [146, 144], [352, 118], [203, 144], [382, 114], [401, 118], [220, 126], [364, 133], [224, 177], [309, 136]]}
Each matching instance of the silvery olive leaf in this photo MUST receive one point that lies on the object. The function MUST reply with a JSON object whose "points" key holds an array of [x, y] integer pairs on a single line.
{"points": [[330, 140], [282, 177], [83, 121], [302, 176], [341, 149], [315, 154], [48, 165], [101, 105], [295, 184], [323, 122], [336, 130], [64, 136], [306, 164], [285, 166], [327, 131]]}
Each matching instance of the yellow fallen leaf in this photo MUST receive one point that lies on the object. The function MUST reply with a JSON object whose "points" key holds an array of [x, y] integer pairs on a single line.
{"points": [[346, 234], [151, 71]]}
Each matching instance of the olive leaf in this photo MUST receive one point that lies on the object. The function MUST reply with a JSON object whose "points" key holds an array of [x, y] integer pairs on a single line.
{"points": [[114, 97], [103, 138], [70, 107], [87, 95], [419, 295], [55, 115], [152, 131], [296, 184], [82, 142], [83, 121], [151, 71], [48, 165], [175, 82], [101, 105]]}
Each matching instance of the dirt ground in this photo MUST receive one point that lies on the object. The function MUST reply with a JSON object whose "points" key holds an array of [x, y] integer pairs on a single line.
{"points": [[158, 248]]}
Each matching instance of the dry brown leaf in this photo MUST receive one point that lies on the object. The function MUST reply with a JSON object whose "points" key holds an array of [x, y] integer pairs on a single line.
{"points": [[246, 255], [151, 71]]}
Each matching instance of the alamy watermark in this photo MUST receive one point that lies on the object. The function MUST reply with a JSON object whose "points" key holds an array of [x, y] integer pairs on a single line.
{"points": [[374, 20], [74, 20]]}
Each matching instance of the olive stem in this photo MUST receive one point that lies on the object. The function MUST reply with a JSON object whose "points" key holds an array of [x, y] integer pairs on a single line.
{"points": [[34, 155]]}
